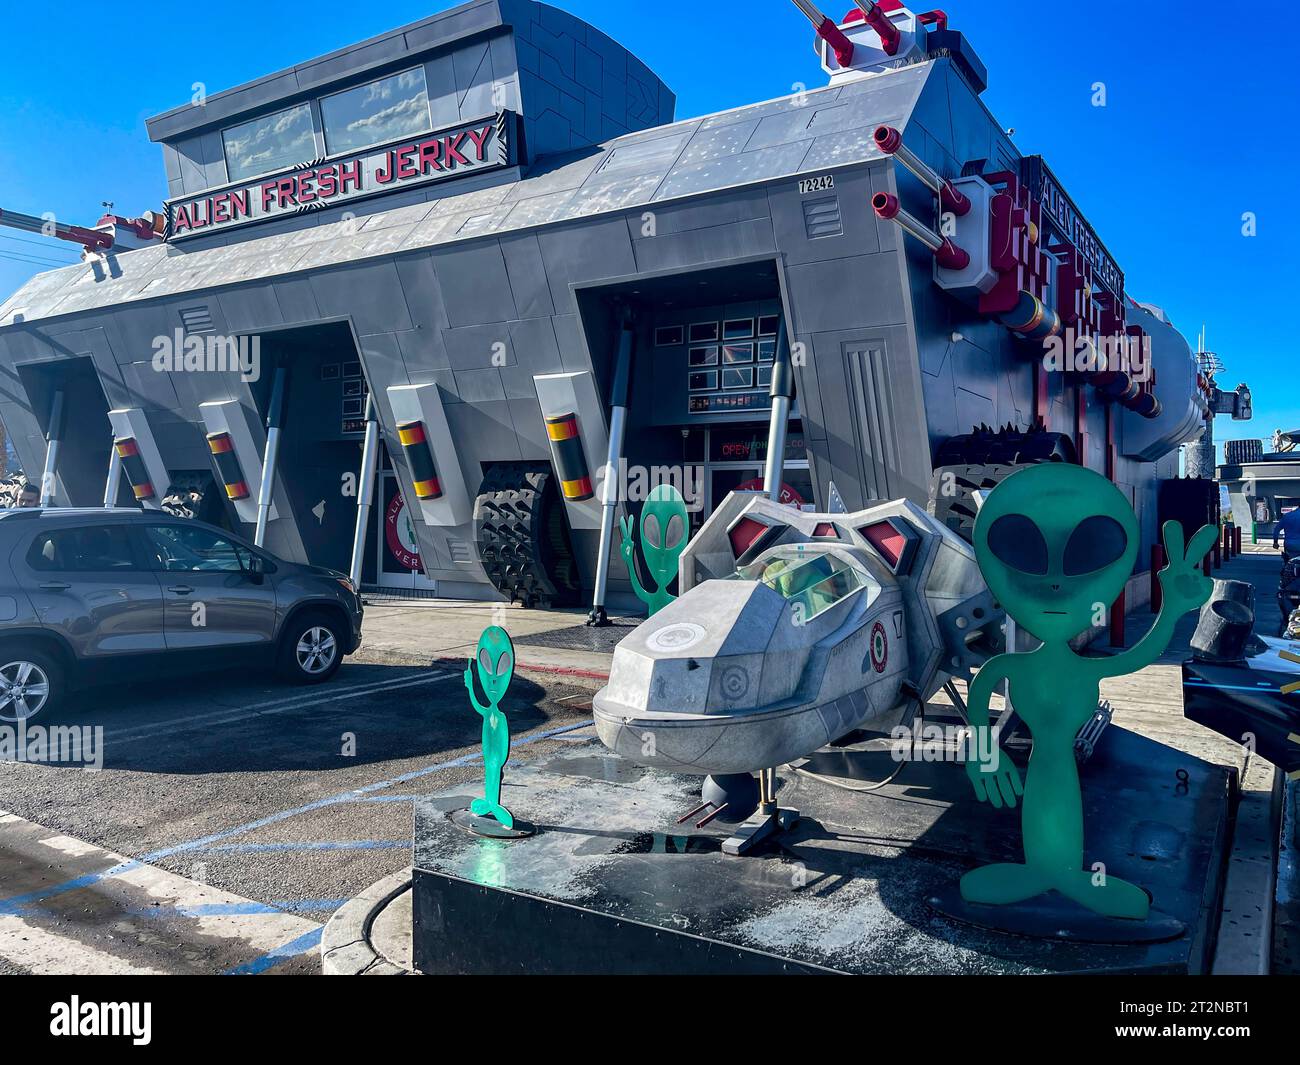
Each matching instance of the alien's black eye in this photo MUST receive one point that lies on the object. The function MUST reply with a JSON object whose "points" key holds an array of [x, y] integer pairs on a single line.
{"points": [[1017, 542], [1095, 543], [650, 529]]}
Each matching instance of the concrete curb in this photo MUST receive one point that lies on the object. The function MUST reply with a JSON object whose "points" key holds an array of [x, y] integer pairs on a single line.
{"points": [[384, 656], [1244, 944], [345, 946]]}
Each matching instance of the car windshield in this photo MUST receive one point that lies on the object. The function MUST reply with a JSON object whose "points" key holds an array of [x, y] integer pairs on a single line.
{"points": [[812, 579]]}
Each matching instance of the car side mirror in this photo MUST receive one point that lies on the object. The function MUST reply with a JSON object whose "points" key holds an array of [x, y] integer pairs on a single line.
{"points": [[255, 569]]}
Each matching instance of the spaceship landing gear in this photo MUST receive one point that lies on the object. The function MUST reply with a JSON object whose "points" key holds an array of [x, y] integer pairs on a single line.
{"points": [[767, 821]]}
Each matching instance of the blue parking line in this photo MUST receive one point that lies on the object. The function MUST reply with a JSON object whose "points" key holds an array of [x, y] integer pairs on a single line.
{"points": [[16, 903], [10, 905], [305, 942], [337, 845]]}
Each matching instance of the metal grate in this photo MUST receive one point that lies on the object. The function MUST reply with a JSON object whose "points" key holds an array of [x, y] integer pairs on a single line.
{"points": [[196, 319], [373, 593], [583, 638], [821, 218]]}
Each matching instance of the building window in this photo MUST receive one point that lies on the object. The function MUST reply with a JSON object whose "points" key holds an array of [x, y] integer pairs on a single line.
{"points": [[377, 112], [270, 143]]}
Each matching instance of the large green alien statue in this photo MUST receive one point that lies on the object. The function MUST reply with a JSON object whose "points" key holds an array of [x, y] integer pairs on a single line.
{"points": [[495, 663], [1056, 543], [663, 539]]}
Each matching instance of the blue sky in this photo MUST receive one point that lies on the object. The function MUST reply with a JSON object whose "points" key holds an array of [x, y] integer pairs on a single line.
{"points": [[1191, 137]]}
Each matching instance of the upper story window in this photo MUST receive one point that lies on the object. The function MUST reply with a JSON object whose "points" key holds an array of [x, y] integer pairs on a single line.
{"points": [[270, 143], [379, 111]]}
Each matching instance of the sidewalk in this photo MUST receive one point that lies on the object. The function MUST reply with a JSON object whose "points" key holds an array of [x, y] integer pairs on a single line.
{"points": [[446, 631]]}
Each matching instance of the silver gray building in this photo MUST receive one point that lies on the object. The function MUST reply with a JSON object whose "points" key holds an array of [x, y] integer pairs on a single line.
{"points": [[469, 227]]}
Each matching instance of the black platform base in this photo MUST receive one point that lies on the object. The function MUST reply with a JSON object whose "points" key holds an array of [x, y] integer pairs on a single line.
{"points": [[611, 884], [1050, 916]]}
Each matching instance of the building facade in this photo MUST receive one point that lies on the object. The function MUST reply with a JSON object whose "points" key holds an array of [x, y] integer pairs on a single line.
{"points": [[464, 228]]}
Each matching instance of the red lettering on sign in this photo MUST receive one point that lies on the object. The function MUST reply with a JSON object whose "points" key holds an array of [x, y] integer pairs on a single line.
{"points": [[453, 154], [350, 175], [181, 221], [219, 212], [326, 182], [405, 158], [479, 137], [429, 152]]}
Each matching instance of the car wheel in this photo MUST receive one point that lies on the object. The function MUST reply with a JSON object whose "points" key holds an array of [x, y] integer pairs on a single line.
{"points": [[311, 651], [30, 681]]}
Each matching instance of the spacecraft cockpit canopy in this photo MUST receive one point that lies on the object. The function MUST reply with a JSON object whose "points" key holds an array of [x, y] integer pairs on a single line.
{"points": [[813, 577]]}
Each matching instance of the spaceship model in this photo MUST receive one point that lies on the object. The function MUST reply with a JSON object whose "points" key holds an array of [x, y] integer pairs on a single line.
{"points": [[792, 630]]}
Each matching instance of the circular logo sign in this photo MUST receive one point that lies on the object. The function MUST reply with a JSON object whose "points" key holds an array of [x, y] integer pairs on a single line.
{"points": [[399, 534], [673, 638], [735, 682], [879, 648]]}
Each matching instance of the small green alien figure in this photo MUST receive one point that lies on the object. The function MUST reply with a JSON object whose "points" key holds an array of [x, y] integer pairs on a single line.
{"points": [[1056, 544], [495, 662], [663, 539]]}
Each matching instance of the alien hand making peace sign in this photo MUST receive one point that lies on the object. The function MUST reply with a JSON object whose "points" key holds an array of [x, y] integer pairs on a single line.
{"points": [[495, 663], [664, 522], [1056, 544]]}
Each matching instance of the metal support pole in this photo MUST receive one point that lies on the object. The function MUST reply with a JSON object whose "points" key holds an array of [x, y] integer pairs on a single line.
{"points": [[618, 401], [264, 493], [782, 392], [52, 438], [365, 491], [114, 477]]}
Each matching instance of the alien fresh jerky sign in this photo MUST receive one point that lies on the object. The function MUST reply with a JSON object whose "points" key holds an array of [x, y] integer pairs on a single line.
{"points": [[663, 539], [495, 664], [1056, 544]]}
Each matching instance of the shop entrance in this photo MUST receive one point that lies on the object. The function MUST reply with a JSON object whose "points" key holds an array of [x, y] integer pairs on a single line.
{"points": [[734, 459], [395, 550]]}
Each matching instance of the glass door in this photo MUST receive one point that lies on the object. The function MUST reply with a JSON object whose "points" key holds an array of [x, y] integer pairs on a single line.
{"points": [[398, 563]]}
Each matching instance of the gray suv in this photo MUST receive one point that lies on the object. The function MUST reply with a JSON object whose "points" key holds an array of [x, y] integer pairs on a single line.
{"points": [[88, 596]]}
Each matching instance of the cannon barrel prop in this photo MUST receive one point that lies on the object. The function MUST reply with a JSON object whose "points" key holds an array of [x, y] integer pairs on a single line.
{"points": [[828, 31], [890, 142], [874, 17], [946, 253], [88, 238]]}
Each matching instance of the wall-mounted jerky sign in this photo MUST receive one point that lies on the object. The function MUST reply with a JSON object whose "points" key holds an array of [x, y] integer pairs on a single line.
{"points": [[470, 147]]}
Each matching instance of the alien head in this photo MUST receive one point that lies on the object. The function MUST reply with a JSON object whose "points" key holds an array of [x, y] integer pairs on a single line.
{"points": [[1056, 543], [495, 662], [663, 532]]}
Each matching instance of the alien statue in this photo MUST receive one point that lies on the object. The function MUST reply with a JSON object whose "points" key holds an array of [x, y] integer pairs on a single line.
{"points": [[495, 663], [1056, 543], [664, 523]]}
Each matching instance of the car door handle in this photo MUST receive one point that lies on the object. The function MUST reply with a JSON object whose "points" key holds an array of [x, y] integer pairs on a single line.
{"points": [[55, 586], [181, 589]]}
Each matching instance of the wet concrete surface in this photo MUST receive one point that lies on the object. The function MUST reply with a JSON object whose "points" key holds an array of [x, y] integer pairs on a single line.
{"points": [[297, 798]]}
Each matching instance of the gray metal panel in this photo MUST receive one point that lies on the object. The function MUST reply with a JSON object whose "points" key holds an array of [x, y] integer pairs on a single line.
{"points": [[632, 172], [383, 309]]}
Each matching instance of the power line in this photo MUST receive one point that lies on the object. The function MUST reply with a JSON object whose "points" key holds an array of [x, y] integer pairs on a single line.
{"points": [[19, 257], [25, 240]]}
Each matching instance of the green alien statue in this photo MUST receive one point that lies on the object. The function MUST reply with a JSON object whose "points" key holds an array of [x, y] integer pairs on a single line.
{"points": [[1056, 544], [663, 539], [495, 663]]}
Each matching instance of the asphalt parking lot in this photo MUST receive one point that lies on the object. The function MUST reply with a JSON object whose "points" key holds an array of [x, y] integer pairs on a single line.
{"points": [[238, 798]]}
